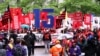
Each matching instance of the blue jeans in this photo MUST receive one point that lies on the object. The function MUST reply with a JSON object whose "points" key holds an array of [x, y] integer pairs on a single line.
{"points": [[47, 45]]}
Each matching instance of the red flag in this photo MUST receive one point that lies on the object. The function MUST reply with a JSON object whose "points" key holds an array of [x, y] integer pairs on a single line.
{"points": [[1, 25], [4, 27]]}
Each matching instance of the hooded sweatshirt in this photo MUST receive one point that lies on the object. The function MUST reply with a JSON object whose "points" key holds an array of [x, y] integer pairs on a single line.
{"points": [[56, 49]]}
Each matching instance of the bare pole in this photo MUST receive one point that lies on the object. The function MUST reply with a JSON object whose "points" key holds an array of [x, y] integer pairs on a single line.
{"points": [[8, 28]]}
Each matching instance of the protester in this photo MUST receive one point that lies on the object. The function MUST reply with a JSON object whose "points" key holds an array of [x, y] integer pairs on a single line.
{"points": [[30, 40], [98, 47], [82, 42], [90, 49], [18, 49], [85, 41], [98, 44], [57, 49], [5, 40], [33, 39], [10, 46], [65, 45], [2, 50], [47, 40], [24, 46], [13, 35], [74, 50]]}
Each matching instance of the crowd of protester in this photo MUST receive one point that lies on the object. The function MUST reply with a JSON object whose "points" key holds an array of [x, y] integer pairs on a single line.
{"points": [[14, 46], [84, 42]]}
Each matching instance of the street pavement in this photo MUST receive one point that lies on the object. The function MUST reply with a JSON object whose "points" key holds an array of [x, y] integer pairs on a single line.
{"points": [[40, 52]]}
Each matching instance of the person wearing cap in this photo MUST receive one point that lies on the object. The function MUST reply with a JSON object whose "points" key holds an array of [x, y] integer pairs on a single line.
{"points": [[57, 49]]}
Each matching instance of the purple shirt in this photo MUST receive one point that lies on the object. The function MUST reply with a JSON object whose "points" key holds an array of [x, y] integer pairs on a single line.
{"points": [[75, 50]]}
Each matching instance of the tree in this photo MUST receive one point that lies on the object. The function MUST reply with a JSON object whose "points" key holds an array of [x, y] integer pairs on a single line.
{"points": [[29, 5], [82, 5], [70, 5]]}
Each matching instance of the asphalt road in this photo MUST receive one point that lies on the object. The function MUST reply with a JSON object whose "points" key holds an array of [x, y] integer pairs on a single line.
{"points": [[40, 52]]}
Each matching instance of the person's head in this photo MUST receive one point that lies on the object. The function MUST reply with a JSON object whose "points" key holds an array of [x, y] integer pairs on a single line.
{"points": [[73, 43], [57, 42], [28, 32], [11, 40], [18, 41], [23, 42]]}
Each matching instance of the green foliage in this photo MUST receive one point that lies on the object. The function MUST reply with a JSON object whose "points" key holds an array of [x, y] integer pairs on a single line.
{"points": [[82, 5], [70, 5]]}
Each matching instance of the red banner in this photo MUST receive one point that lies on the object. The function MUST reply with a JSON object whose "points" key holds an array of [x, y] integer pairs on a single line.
{"points": [[20, 15], [15, 22], [78, 16], [77, 24], [87, 19], [27, 20], [31, 16], [16, 15], [71, 15]]}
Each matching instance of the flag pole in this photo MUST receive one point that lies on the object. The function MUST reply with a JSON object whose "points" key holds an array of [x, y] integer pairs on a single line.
{"points": [[8, 28], [8, 23]]}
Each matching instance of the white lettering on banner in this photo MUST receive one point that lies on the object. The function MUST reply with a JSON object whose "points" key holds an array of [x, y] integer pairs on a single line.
{"points": [[27, 20], [87, 19], [16, 25]]}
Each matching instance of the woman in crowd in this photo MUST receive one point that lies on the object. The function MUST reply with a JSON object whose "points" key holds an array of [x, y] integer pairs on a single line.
{"points": [[10, 46]]}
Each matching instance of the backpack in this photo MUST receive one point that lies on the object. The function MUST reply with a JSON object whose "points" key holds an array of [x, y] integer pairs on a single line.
{"points": [[18, 51]]}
